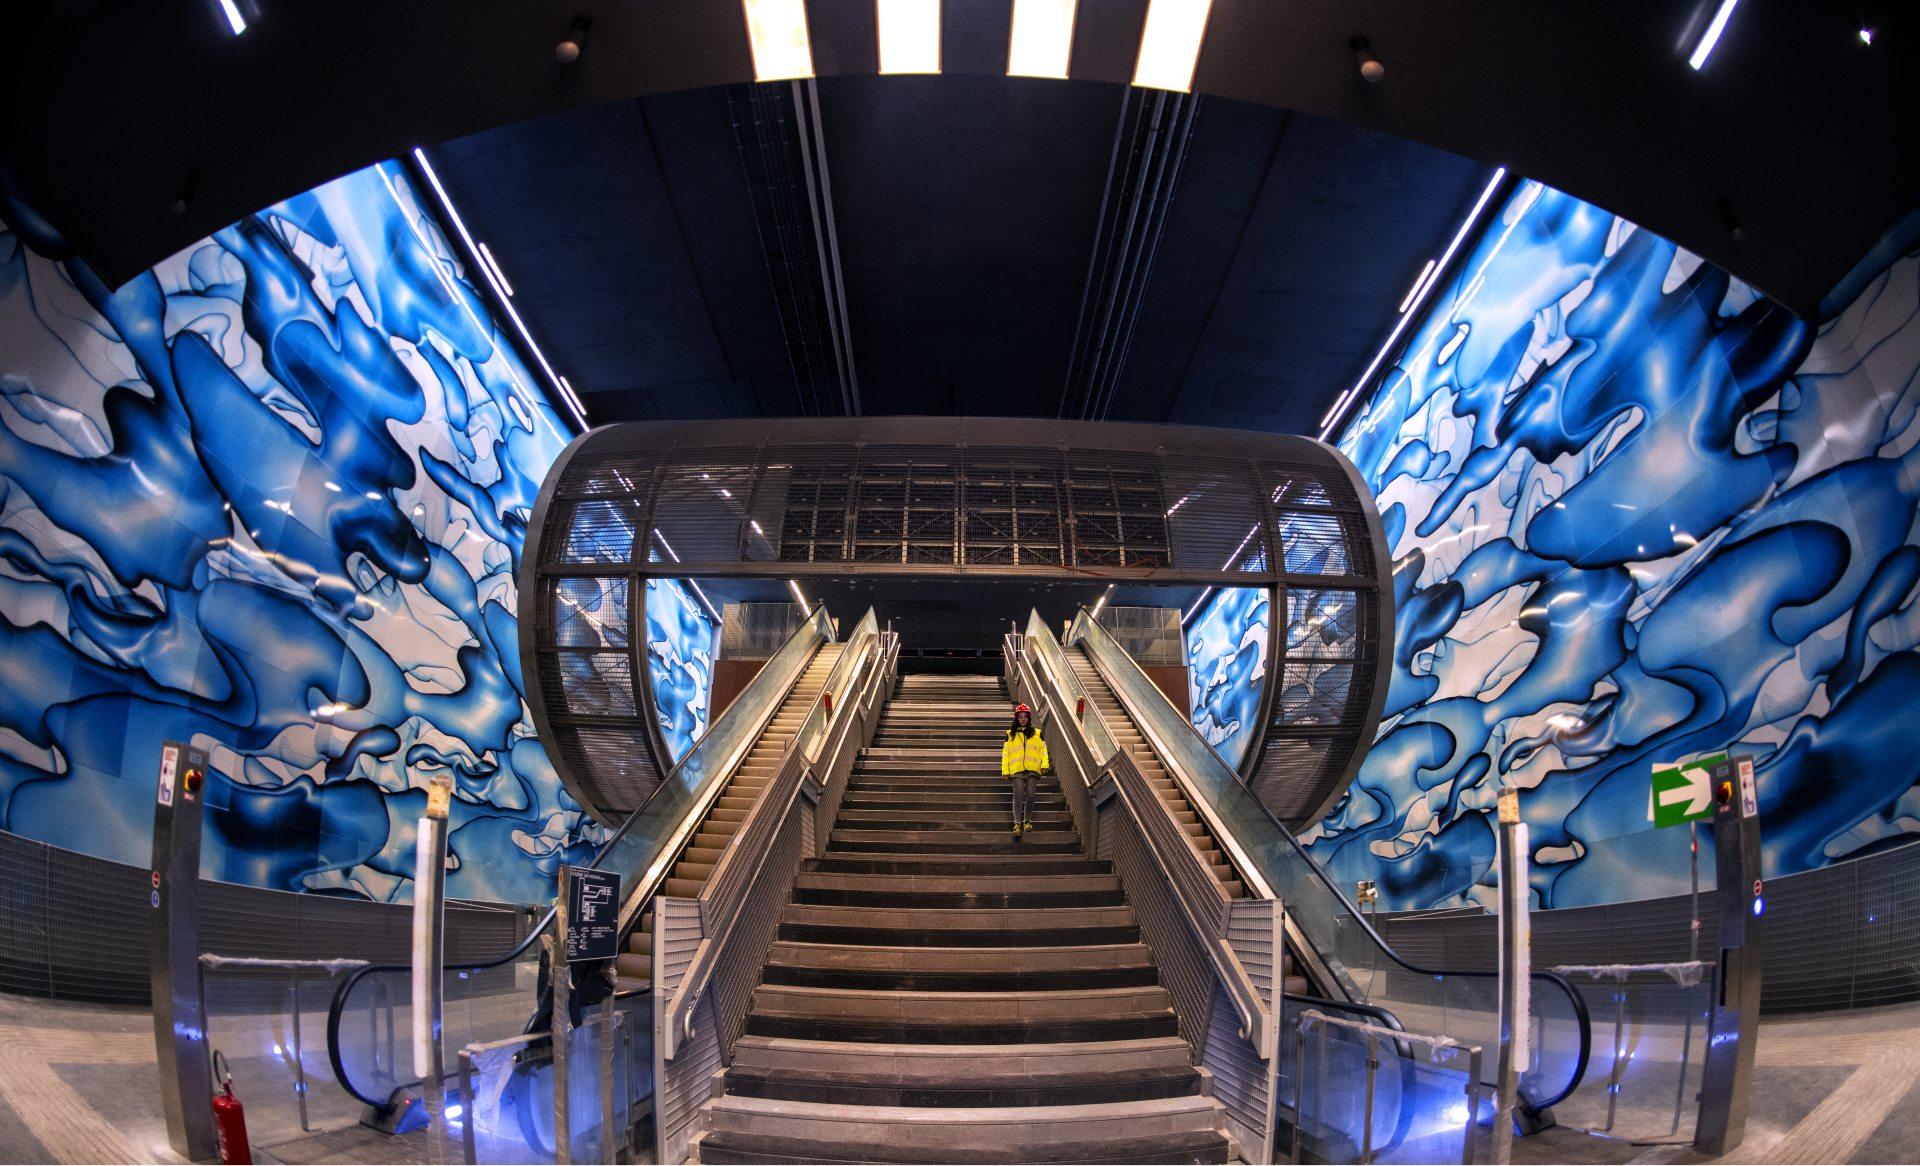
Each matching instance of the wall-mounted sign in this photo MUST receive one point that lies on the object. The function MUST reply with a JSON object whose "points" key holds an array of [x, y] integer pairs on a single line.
{"points": [[1684, 793], [593, 914]]}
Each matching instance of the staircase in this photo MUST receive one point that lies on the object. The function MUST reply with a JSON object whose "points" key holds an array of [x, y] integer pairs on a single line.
{"points": [[634, 967], [939, 992], [1128, 736]]}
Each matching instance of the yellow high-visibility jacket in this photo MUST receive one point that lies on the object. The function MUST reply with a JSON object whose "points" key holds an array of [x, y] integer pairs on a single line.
{"points": [[1024, 753]]}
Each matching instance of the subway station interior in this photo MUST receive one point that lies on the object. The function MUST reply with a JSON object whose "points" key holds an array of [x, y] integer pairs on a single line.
{"points": [[1076, 581]]}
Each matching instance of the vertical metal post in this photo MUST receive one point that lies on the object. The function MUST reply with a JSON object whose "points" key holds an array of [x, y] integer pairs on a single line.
{"points": [[1366, 1113], [1516, 971], [299, 1066], [1728, 1075], [1473, 1107], [1693, 897], [661, 999], [1686, 1056], [429, 958], [606, 1080], [472, 1102], [1271, 1046], [1619, 1028], [179, 1008], [561, 977], [1299, 1089]]}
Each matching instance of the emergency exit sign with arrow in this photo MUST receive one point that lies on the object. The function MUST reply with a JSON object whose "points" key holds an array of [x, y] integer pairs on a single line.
{"points": [[1684, 793]]}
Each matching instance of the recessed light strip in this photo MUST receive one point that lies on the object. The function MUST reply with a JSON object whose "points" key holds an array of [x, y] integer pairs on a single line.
{"points": [[236, 20], [1418, 284], [493, 265], [798, 597], [1711, 37], [1411, 308], [777, 32], [506, 302], [1042, 42], [909, 35], [1170, 44]]}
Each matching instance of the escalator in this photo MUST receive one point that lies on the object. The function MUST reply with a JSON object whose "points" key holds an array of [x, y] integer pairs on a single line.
{"points": [[737, 797], [1335, 958], [669, 845]]}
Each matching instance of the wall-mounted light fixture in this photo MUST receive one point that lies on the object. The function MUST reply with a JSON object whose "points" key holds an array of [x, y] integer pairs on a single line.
{"points": [[575, 42]]}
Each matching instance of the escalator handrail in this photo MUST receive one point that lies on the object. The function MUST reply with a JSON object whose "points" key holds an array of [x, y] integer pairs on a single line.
{"points": [[1085, 624], [816, 622]]}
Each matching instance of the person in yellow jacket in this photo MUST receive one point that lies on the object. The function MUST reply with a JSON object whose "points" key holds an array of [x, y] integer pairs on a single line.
{"points": [[1023, 759]]}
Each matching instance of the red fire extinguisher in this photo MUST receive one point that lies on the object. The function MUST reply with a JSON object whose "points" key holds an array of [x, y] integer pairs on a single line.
{"points": [[230, 1118], [828, 698], [1080, 708]]}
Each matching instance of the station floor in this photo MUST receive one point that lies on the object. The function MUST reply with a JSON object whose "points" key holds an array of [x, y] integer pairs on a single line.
{"points": [[77, 1085]]}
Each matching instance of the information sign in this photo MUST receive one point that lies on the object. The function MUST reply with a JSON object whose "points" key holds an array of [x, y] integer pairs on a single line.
{"points": [[593, 915]]}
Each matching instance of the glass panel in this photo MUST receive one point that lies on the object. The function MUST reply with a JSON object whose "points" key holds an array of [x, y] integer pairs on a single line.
{"points": [[1046, 649], [1649, 1049], [847, 673], [590, 613], [1368, 1094], [640, 845]]}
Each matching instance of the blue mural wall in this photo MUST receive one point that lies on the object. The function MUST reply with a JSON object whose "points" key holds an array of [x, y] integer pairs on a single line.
{"points": [[679, 662], [1227, 667], [269, 497], [1639, 514]]}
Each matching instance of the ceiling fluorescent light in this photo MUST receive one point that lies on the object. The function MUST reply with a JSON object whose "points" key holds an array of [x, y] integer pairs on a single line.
{"points": [[777, 30], [1711, 37], [1418, 284], [236, 20], [798, 597], [1188, 617], [493, 265], [506, 301], [909, 35], [1042, 38], [1170, 44], [1407, 310], [1104, 596]]}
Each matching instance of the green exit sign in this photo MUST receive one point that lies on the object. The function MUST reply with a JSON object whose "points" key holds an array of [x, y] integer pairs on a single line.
{"points": [[1684, 793]]}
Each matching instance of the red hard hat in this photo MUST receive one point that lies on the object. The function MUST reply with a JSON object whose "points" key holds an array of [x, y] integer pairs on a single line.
{"points": [[1018, 709]]}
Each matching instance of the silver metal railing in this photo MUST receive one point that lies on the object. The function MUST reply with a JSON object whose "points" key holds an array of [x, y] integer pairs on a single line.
{"points": [[708, 952]]}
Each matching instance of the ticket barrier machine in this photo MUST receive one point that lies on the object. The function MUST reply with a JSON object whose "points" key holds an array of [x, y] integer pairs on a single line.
{"points": [[1732, 1031]]}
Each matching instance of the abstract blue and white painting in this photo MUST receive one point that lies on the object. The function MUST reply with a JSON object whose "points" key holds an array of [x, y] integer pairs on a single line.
{"points": [[1639, 513], [679, 663], [1227, 667], [269, 497]]}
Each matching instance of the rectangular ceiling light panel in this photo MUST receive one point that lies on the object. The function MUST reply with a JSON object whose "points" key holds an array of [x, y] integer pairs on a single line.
{"points": [[909, 35], [1170, 44], [777, 30], [1042, 38]]}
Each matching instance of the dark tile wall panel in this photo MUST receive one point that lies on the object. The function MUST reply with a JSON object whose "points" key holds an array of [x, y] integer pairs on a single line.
{"points": [[1842, 936], [75, 927]]}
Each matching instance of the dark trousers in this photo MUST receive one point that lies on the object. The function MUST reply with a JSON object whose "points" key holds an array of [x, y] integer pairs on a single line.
{"points": [[1023, 796]]}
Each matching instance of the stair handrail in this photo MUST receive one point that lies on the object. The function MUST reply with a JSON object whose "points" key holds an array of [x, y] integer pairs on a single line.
{"points": [[722, 898], [799, 644], [1137, 693], [1198, 895]]}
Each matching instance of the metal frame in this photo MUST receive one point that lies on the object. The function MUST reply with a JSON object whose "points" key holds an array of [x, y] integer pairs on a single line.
{"points": [[987, 498]]}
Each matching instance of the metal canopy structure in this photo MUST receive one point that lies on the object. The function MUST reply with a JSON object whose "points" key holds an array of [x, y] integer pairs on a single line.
{"points": [[986, 498]]}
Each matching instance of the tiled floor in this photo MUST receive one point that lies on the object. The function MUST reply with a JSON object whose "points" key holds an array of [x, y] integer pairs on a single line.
{"points": [[77, 1085]]}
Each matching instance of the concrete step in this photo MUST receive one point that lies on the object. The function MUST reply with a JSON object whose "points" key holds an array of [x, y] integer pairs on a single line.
{"points": [[1094, 1086], [1020, 862], [1010, 1133], [1166, 1150], [956, 1061], [979, 884], [960, 1007]]}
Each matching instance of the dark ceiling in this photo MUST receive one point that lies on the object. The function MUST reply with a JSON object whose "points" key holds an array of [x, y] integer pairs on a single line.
{"points": [[664, 252], [1797, 132]]}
